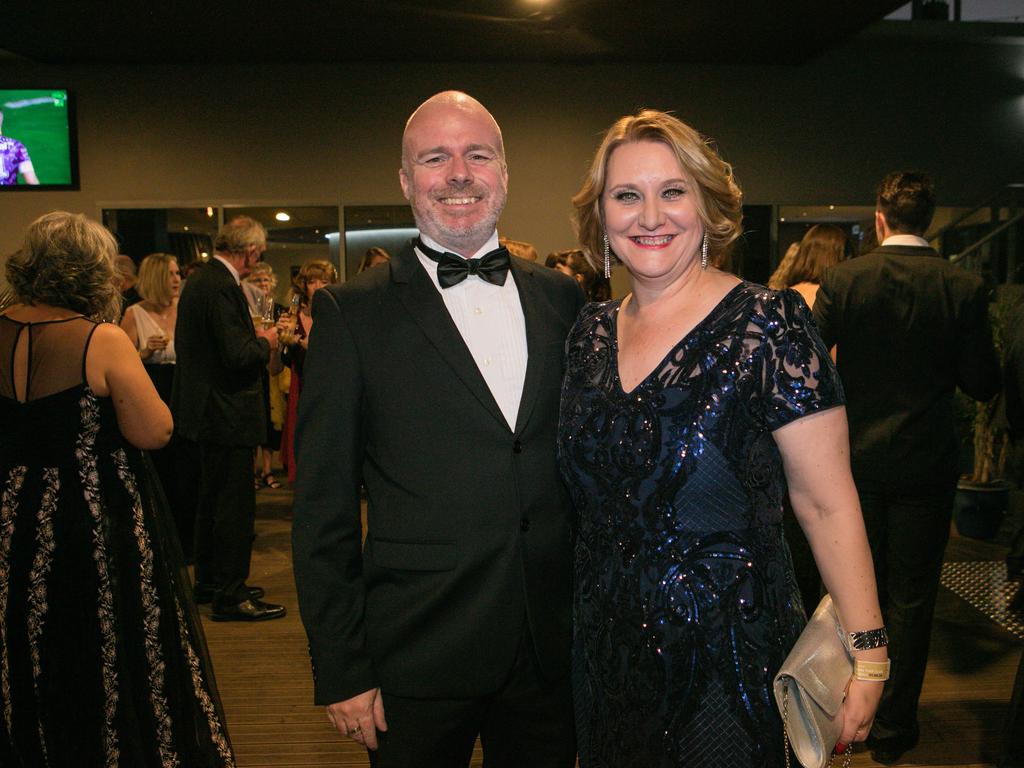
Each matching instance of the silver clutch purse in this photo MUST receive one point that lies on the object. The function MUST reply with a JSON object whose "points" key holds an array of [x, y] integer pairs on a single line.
{"points": [[810, 688]]}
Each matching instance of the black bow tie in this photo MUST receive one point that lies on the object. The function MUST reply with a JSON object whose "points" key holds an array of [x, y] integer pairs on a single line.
{"points": [[453, 269]]}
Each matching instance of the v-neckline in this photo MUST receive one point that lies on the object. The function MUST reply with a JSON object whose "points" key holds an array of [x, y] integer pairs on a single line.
{"points": [[614, 318]]}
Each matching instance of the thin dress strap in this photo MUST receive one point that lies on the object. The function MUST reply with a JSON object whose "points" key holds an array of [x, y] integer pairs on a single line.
{"points": [[85, 349]]}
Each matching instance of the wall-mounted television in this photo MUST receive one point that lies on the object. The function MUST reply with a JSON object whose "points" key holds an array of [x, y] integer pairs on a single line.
{"points": [[38, 141]]}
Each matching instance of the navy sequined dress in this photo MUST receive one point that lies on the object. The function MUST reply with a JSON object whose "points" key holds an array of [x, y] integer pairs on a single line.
{"points": [[686, 604]]}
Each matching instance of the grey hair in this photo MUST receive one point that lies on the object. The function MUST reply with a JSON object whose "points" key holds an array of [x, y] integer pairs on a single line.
{"points": [[67, 260]]}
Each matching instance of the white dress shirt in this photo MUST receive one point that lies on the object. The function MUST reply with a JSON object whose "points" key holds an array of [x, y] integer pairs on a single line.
{"points": [[490, 319], [914, 240]]}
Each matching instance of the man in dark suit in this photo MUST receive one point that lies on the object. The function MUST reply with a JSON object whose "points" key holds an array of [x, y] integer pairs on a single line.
{"points": [[909, 328], [217, 401], [435, 382]]}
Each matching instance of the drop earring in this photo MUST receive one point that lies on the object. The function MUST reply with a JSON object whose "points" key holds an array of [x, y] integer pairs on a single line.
{"points": [[607, 257], [704, 252]]}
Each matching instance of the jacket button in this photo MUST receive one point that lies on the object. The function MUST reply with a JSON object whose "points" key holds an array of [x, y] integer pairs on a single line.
{"points": [[517, 447], [524, 524]]}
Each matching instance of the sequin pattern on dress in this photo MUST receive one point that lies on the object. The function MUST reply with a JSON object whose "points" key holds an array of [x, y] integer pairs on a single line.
{"points": [[685, 599]]}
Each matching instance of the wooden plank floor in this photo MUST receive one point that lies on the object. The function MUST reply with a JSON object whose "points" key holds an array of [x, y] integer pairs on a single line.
{"points": [[263, 672]]}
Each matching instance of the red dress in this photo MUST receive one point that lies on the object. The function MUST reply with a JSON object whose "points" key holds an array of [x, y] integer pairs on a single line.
{"points": [[293, 356]]}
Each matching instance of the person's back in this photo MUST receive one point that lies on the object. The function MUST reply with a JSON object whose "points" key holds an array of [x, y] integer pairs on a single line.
{"points": [[77, 522], [92, 606], [44, 398], [910, 328]]}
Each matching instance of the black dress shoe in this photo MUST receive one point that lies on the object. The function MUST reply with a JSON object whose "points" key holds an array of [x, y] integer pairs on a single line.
{"points": [[203, 593], [889, 751], [887, 756], [248, 610]]}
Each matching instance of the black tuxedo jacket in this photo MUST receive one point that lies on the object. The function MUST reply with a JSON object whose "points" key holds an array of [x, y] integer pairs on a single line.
{"points": [[909, 328], [469, 523], [218, 391]]}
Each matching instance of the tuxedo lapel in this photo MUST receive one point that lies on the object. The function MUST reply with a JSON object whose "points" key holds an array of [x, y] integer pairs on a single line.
{"points": [[421, 299], [536, 333]]}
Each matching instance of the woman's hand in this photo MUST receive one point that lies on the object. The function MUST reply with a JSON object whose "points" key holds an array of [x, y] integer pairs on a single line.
{"points": [[153, 343], [859, 711], [286, 329]]}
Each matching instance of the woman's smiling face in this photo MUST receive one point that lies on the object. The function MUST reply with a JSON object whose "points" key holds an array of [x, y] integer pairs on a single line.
{"points": [[650, 210]]}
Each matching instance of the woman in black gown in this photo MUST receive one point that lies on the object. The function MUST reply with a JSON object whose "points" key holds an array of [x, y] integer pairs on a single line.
{"points": [[102, 658], [687, 408]]}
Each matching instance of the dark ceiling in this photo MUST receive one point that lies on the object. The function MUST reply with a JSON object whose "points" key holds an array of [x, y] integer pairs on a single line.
{"points": [[188, 31]]}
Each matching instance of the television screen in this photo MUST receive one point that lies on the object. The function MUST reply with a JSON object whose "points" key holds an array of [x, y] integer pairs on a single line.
{"points": [[37, 140]]}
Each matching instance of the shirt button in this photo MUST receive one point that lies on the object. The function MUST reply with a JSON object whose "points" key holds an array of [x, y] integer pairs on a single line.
{"points": [[478, 311], [524, 524], [487, 361]]}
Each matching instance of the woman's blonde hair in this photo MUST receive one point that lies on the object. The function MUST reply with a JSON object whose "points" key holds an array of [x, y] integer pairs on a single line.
{"points": [[718, 198], [780, 277], [67, 261], [262, 268], [154, 272], [314, 269]]}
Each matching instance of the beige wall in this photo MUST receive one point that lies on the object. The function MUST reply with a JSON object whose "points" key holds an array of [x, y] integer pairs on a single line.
{"points": [[820, 133]]}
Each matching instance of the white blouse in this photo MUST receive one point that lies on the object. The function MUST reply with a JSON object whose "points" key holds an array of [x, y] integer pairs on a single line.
{"points": [[146, 326]]}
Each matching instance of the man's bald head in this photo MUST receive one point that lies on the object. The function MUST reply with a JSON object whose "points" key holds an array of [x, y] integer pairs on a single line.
{"points": [[453, 171], [438, 104]]}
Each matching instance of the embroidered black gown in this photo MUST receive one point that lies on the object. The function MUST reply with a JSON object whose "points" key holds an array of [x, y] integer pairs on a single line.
{"points": [[102, 658], [686, 604]]}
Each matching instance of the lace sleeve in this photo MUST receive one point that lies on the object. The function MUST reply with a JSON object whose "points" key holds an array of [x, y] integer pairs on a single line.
{"points": [[799, 377]]}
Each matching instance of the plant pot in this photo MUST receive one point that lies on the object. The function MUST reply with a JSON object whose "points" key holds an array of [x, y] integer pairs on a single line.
{"points": [[978, 508]]}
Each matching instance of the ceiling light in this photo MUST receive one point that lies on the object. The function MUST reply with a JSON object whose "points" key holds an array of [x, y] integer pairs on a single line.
{"points": [[282, 216]]}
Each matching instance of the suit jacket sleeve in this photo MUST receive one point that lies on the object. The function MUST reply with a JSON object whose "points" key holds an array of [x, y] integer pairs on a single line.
{"points": [[327, 534], [977, 363], [824, 313], [237, 346]]}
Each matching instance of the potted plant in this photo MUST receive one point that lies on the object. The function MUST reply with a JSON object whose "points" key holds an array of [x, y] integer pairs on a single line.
{"points": [[983, 494]]}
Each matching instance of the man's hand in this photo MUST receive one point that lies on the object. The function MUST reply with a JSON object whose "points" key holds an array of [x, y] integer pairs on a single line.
{"points": [[360, 717], [270, 334]]}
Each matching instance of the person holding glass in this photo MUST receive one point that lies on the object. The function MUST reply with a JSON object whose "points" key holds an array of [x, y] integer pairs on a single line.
{"points": [[263, 279], [293, 329], [150, 322], [688, 408], [150, 326]]}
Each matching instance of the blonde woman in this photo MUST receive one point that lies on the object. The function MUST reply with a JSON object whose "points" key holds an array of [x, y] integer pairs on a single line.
{"points": [[688, 407], [150, 322]]}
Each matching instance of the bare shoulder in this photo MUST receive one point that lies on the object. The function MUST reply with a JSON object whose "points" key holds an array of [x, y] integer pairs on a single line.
{"points": [[109, 346], [110, 339]]}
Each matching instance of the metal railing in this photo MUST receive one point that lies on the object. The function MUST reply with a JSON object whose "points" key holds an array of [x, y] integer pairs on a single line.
{"points": [[992, 244]]}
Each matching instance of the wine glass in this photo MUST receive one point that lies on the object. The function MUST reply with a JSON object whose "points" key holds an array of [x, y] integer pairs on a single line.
{"points": [[263, 311]]}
